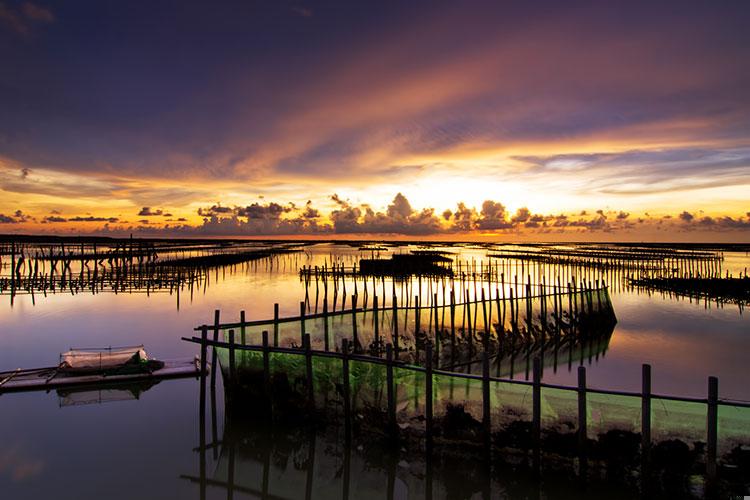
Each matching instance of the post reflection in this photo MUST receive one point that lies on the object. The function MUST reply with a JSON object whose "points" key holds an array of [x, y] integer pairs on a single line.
{"points": [[257, 458]]}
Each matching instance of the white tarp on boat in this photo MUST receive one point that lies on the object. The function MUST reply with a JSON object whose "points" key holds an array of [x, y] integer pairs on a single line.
{"points": [[88, 360]]}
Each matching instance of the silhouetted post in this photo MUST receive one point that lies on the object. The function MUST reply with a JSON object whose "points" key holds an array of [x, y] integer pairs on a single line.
{"points": [[417, 314], [276, 325], [213, 351], [582, 428], [302, 321], [395, 327], [428, 395], [375, 315], [556, 311], [204, 362], [392, 428], [570, 309], [267, 371], [712, 421], [529, 314], [484, 316], [242, 328], [486, 400], [645, 410], [326, 345], [309, 372], [536, 433], [346, 390], [355, 340], [468, 317], [437, 320], [453, 318]]}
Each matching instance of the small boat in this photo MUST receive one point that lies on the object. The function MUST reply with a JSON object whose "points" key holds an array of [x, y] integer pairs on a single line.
{"points": [[99, 366]]}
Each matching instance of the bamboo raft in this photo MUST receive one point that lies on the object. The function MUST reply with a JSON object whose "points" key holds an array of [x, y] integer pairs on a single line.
{"points": [[44, 379]]}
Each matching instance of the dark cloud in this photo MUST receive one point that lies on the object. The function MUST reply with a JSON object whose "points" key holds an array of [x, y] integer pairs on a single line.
{"points": [[522, 215], [398, 218], [464, 218], [310, 212], [493, 216], [269, 211], [723, 223], [147, 212], [686, 216], [53, 219], [17, 217], [215, 210], [93, 219]]}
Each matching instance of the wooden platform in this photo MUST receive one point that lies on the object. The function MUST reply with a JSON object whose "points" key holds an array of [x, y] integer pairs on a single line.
{"points": [[42, 379]]}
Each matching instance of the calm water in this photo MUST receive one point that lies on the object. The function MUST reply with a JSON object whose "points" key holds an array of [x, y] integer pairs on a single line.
{"points": [[146, 447]]}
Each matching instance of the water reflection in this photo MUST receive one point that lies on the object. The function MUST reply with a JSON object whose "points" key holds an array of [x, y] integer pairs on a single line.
{"points": [[683, 339], [284, 461]]}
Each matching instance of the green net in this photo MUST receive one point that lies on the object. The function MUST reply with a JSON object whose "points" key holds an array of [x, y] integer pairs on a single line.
{"points": [[678, 420], [368, 389], [457, 410], [612, 419], [607, 412], [410, 399], [734, 428]]}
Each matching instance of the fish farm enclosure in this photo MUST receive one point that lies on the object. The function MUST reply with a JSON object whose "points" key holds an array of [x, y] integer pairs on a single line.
{"points": [[399, 370]]}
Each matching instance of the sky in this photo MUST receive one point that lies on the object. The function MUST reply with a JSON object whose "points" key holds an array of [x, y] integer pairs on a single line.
{"points": [[494, 120]]}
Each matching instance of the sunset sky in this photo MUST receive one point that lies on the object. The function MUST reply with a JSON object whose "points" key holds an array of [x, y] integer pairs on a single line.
{"points": [[492, 120]]}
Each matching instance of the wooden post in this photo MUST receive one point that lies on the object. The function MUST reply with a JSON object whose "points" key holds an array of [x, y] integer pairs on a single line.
{"points": [[417, 314], [486, 400], [355, 340], [453, 318], [529, 314], [437, 319], [582, 428], [243, 340], [204, 362], [468, 317], [204, 350], [345, 377], [202, 413], [213, 351], [428, 394], [645, 410], [309, 372], [326, 344], [267, 370], [375, 317], [392, 427], [712, 422], [276, 325], [395, 327], [536, 398]]}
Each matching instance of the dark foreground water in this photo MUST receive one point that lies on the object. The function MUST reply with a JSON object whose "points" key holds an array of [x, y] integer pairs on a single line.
{"points": [[119, 446]]}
